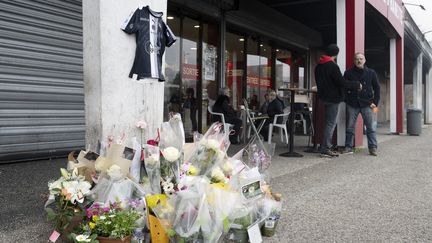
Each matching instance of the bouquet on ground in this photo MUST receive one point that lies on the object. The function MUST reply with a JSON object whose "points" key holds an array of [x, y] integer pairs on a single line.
{"points": [[115, 186], [152, 166], [209, 151], [69, 195]]}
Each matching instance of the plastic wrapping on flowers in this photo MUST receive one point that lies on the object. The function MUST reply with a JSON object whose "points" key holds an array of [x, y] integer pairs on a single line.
{"points": [[210, 150]]}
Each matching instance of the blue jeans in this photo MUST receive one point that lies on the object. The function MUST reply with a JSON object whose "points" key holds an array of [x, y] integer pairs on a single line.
{"points": [[331, 113], [367, 114]]}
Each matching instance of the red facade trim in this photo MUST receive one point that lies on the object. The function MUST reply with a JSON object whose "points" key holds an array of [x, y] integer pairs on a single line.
{"points": [[355, 36]]}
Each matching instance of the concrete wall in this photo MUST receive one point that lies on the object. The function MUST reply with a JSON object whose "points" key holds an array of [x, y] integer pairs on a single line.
{"points": [[113, 101]]}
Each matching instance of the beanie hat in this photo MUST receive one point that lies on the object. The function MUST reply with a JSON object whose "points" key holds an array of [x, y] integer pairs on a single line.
{"points": [[332, 50]]}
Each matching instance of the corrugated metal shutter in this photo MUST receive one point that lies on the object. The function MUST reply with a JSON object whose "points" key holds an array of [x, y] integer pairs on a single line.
{"points": [[41, 78]]}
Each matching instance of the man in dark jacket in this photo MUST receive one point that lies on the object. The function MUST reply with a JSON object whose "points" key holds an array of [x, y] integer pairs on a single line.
{"points": [[222, 105], [364, 102], [274, 108], [331, 88]]}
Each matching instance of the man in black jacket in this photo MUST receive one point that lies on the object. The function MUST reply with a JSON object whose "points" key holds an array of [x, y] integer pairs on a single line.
{"points": [[331, 88], [364, 102], [275, 107]]}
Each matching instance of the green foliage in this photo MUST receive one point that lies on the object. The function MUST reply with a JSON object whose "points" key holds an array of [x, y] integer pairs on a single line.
{"points": [[115, 223]]}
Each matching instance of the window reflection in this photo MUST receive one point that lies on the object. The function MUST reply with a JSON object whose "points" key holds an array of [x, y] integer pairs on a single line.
{"points": [[234, 67]]}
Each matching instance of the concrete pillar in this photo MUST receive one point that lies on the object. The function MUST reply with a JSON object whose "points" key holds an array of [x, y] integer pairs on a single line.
{"points": [[393, 85], [350, 18], [113, 101], [428, 103], [417, 82], [396, 86]]}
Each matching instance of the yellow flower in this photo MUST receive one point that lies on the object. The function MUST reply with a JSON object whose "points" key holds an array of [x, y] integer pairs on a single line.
{"points": [[95, 218], [192, 171], [92, 225]]}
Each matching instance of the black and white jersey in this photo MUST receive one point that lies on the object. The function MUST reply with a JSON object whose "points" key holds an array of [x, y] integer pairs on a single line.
{"points": [[152, 35]]}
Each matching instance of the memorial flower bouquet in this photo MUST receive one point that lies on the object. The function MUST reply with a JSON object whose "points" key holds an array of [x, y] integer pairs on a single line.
{"points": [[170, 164], [69, 195], [152, 166]]}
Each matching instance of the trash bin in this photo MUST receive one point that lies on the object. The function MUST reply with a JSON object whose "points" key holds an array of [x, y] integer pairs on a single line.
{"points": [[414, 121]]}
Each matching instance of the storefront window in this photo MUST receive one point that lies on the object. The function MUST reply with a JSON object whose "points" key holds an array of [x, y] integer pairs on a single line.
{"points": [[234, 67], [209, 71], [283, 68], [190, 73], [265, 70], [172, 68], [259, 65]]}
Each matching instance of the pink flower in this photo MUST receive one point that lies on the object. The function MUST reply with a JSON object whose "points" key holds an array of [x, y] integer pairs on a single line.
{"points": [[141, 124]]}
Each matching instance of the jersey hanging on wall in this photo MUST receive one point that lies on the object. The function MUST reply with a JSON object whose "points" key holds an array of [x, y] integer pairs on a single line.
{"points": [[152, 35]]}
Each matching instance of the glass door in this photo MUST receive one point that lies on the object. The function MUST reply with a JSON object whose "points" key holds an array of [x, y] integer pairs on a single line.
{"points": [[190, 68], [210, 38], [234, 63]]}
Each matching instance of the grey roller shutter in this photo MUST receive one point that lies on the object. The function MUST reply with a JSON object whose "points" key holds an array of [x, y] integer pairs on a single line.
{"points": [[41, 79]]}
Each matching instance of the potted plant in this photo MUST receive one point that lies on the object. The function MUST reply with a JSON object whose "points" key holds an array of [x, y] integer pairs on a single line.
{"points": [[242, 220], [111, 224]]}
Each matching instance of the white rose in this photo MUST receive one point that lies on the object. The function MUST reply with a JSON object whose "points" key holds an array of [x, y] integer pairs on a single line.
{"points": [[212, 144], [171, 154], [115, 173], [227, 168], [217, 174]]}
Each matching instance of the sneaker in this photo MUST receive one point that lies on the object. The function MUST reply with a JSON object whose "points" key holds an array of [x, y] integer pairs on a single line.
{"points": [[329, 154], [347, 151], [373, 152]]}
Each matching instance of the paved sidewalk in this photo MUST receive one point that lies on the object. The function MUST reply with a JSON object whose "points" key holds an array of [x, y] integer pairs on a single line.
{"points": [[353, 198]]}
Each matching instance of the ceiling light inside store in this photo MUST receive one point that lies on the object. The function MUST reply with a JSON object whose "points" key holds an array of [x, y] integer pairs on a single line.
{"points": [[241, 39], [261, 45], [193, 48], [277, 49], [170, 17], [196, 26]]}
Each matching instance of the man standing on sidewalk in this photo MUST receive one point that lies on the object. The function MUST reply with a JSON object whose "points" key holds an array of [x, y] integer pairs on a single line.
{"points": [[364, 102], [331, 91]]}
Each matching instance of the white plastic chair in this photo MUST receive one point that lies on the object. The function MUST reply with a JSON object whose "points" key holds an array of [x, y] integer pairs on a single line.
{"points": [[302, 120], [282, 126], [227, 126]]}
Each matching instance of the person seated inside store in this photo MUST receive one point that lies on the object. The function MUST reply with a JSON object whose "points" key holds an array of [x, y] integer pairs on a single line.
{"points": [[254, 103], [263, 109], [223, 105], [275, 107]]}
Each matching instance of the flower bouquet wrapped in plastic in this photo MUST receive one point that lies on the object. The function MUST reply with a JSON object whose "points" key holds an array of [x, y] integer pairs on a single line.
{"points": [[257, 157], [214, 219], [116, 187], [180, 214], [170, 164], [152, 166], [172, 133], [210, 150]]}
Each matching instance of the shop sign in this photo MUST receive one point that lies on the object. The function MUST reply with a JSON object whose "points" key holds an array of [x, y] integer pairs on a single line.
{"points": [[190, 71], [256, 81], [235, 72]]}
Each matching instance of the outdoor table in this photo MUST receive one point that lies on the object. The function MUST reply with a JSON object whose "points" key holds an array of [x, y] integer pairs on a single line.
{"points": [[291, 131]]}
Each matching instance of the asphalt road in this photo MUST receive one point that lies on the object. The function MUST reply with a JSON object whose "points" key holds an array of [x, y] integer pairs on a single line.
{"points": [[353, 198]]}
